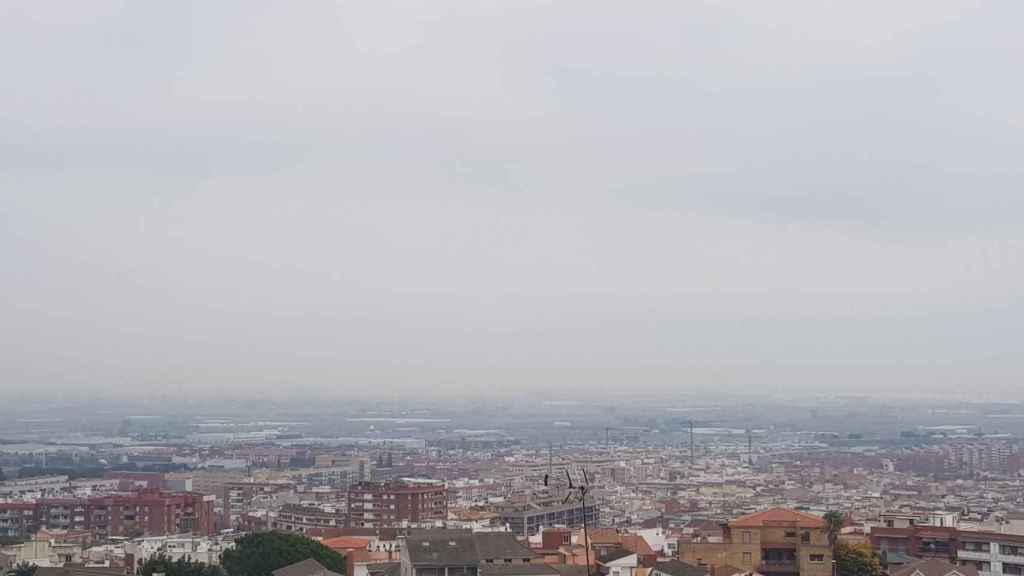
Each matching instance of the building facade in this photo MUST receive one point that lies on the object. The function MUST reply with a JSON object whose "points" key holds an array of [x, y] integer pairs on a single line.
{"points": [[302, 519], [396, 503], [776, 542], [142, 514], [529, 518], [990, 553]]}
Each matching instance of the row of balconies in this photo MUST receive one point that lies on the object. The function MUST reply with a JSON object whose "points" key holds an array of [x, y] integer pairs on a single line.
{"points": [[987, 554]]}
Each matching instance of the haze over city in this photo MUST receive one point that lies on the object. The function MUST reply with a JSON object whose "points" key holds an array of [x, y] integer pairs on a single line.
{"points": [[367, 199], [511, 288]]}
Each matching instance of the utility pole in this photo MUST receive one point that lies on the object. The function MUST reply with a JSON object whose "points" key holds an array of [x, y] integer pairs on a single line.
{"points": [[750, 447], [586, 533], [549, 458], [693, 458]]}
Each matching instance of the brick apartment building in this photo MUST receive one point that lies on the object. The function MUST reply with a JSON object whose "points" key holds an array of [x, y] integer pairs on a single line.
{"points": [[394, 503], [142, 514], [925, 542], [990, 553], [18, 519], [776, 542]]}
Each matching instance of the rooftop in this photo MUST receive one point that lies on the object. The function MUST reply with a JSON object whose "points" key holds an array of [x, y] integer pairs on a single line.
{"points": [[778, 517]]}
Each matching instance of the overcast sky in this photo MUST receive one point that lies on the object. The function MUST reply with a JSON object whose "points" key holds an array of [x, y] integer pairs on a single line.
{"points": [[353, 198]]}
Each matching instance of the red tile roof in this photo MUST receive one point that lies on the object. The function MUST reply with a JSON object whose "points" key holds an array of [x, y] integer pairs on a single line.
{"points": [[636, 544], [778, 517], [346, 543]]}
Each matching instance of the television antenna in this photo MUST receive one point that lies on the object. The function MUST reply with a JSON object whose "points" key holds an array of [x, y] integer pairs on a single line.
{"points": [[578, 493]]}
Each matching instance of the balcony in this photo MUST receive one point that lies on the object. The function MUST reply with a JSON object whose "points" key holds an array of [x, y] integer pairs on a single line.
{"points": [[779, 567], [980, 556], [1013, 569]]}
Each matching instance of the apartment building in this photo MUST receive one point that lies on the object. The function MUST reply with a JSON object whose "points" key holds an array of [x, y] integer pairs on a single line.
{"points": [[303, 519], [991, 553], [776, 542], [18, 519], [395, 503], [529, 517], [915, 540], [142, 514]]}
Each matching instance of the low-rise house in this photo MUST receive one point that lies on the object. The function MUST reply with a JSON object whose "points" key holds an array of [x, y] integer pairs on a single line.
{"points": [[678, 568], [307, 567], [935, 567], [618, 562], [451, 554]]}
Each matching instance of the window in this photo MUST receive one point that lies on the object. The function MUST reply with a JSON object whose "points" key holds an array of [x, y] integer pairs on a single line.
{"points": [[805, 537], [817, 558], [790, 533], [746, 536], [747, 559], [1013, 569]]}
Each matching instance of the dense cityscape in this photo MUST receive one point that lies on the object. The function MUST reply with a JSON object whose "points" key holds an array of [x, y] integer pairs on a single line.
{"points": [[736, 485], [511, 288]]}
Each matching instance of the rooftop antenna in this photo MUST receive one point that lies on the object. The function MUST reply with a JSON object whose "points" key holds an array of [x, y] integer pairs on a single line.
{"points": [[579, 493]]}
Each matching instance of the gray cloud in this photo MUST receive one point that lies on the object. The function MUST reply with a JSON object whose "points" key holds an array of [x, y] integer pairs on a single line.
{"points": [[359, 198]]}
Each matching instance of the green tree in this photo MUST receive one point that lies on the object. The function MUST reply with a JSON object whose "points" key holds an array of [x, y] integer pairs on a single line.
{"points": [[180, 567], [23, 569], [834, 520], [859, 560], [262, 553]]}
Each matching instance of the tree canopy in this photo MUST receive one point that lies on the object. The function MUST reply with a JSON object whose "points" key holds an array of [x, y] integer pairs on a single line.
{"points": [[262, 553], [834, 520], [858, 560], [23, 569]]}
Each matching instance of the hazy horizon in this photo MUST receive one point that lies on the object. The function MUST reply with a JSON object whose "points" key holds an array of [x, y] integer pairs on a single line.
{"points": [[366, 199]]}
